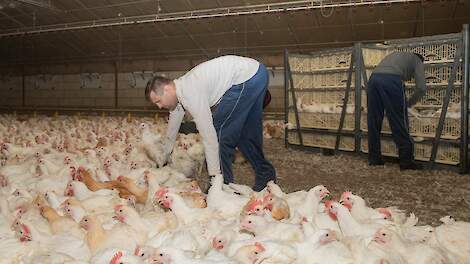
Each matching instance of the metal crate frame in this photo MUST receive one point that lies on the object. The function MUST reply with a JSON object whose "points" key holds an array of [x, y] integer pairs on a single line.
{"points": [[357, 73]]}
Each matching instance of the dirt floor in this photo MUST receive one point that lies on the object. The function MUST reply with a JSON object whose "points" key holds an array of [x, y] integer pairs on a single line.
{"points": [[429, 194]]}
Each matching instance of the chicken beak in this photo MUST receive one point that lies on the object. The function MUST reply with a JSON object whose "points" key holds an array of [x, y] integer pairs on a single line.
{"points": [[25, 238], [216, 245]]}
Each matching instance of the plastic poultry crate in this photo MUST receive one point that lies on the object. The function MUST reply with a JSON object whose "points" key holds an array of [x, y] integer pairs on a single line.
{"points": [[446, 153], [435, 96], [321, 80], [423, 127], [327, 97], [321, 141], [323, 120], [333, 60], [373, 56], [435, 53], [435, 76], [432, 53], [320, 61], [439, 75], [300, 63]]}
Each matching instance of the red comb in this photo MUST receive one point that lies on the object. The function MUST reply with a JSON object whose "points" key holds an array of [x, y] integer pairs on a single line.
{"points": [[116, 258], [25, 229], [160, 193], [345, 194], [328, 203], [267, 197], [117, 207], [252, 205], [259, 246], [385, 212]]}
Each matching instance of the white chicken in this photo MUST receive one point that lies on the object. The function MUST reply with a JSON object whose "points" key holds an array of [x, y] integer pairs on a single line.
{"points": [[168, 255], [144, 226], [275, 252], [185, 214], [115, 256], [454, 237], [126, 205], [348, 225], [271, 230], [227, 204], [361, 212], [321, 247], [412, 252], [60, 243], [154, 145]]}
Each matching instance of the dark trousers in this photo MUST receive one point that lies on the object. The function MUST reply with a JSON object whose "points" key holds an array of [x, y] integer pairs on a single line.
{"points": [[238, 122], [387, 92]]}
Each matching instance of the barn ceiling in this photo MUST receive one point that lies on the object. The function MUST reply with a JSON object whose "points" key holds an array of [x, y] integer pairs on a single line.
{"points": [[77, 31]]}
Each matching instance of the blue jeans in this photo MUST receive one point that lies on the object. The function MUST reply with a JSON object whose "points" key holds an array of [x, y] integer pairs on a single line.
{"points": [[387, 92], [238, 122]]}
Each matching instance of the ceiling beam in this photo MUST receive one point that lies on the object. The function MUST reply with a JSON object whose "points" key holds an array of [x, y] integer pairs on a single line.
{"points": [[185, 53], [74, 47], [49, 43], [308, 27], [42, 3], [108, 6], [14, 20], [199, 14], [80, 3], [219, 5], [188, 34]]}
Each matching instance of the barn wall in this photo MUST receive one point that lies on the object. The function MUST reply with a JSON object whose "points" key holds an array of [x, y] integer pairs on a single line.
{"points": [[11, 90], [62, 86]]}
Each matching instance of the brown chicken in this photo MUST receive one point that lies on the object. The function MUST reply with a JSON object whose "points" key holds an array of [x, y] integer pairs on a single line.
{"points": [[97, 238], [139, 193], [39, 201], [60, 224], [93, 185], [193, 199], [278, 207]]}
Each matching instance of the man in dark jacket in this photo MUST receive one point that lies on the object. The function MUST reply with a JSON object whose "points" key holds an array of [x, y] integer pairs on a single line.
{"points": [[386, 91]]}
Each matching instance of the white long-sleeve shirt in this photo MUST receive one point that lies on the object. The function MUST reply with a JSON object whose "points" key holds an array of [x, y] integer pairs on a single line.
{"points": [[200, 89]]}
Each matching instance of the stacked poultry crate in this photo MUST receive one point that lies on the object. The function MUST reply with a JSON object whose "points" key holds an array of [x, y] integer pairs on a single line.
{"points": [[318, 84], [316, 89], [439, 53]]}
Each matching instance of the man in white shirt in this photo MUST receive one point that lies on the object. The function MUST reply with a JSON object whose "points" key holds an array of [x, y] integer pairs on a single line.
{"points": [[236, 86]]}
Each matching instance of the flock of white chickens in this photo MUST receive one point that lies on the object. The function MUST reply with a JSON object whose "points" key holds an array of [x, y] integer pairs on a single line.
{"points": [[96, 190]]}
